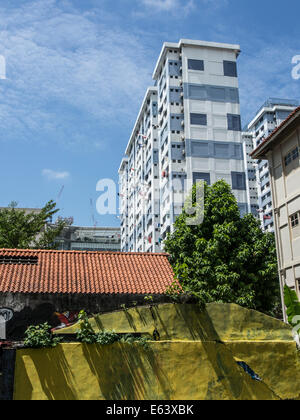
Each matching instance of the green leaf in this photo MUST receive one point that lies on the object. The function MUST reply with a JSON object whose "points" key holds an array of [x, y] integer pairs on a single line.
{"points": [[292, 304]]}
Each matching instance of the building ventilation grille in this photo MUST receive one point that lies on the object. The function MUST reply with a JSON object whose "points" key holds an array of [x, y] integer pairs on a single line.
{"points": [[18, 260]]}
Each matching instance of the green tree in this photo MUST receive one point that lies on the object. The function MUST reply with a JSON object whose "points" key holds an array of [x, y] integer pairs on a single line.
{"points": [[226, 258], [22, 230]]}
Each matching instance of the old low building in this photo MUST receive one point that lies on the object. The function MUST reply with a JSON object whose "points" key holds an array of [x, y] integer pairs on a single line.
{"points": [[37, 285], [281, 149]]}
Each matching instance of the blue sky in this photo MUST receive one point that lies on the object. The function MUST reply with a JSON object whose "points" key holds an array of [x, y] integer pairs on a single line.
{"points": [[77, 70]]}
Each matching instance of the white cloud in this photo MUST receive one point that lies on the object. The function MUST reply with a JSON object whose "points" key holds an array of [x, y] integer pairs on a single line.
{"points": [[61, 62], [54, 175], [161, 4], [174, 6], [182, 7]]}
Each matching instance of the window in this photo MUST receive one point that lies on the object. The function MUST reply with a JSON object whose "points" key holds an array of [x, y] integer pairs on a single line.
{"points": [[221, 150], [196, 65], [295, 225], [197, 176], [238, 180], [198, 119], [230, 68], [295, 220], [294, 154], [199, 149], [234, 122]]}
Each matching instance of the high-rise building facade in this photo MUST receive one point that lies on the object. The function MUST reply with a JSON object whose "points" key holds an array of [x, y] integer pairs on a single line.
{"points": [[250, 170], [79, 238], [188, 128], [272, 113]]}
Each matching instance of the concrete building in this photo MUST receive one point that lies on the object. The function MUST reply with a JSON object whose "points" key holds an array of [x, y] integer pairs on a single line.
{"points": [[75, 238], [250, 170], [270, 115], [281, 150], [188, 128]]}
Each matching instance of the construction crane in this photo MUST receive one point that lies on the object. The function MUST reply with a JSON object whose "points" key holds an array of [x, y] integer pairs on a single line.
{"points": [[95, 223], [60, 193]]}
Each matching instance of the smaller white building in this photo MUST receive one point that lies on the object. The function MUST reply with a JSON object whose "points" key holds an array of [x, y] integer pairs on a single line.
{"points": [[79, 238], [270, 115], [281, 149], [250, 170]]}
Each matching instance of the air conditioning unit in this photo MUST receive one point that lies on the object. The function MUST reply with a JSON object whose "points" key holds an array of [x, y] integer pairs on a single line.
{"points": [[182, 94], [182, 138], [183, 152], [182, 123]]}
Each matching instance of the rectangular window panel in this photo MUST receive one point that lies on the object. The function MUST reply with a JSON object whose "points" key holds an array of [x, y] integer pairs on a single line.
{"points": [[238, 180], [238, 151], [197, 92], [196, 64], [198, 119], [201, 176], [200, 149], [234, 122], [243, 209], [230, 68], [234, 95], [294, 220], [294, 154], [218, 93], [221, 150]]}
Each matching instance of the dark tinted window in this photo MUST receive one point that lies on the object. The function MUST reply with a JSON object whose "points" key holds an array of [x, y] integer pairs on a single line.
{"points": [[234, 122], [196, 64], [238, 180], [230, 68], [198, 176], [198, 119]]}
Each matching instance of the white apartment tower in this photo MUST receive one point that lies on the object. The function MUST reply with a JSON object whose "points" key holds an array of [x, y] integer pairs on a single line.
{"points": [[271, 114], [250, 170], [188, 128]]}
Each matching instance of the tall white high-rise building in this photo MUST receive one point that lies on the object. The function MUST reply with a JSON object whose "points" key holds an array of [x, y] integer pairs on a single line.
{"points": [[271, 114], [250, 170], [188, 128]]}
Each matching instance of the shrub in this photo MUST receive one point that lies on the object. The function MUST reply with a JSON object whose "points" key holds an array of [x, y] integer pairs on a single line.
{"points": [[40, 336], [107, 337], [86, 333], [132, 339]]}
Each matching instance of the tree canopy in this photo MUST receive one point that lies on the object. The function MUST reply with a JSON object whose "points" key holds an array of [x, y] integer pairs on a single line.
{"points": [[226, 258], [25, 230]]}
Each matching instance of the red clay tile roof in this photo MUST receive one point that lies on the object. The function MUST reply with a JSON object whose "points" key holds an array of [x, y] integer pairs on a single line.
{"points": [[85, 272], [267, 140]]}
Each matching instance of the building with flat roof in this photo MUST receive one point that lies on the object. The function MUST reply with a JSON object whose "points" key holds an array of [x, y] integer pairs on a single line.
{"points": [[78, 238], [188, 129]]}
